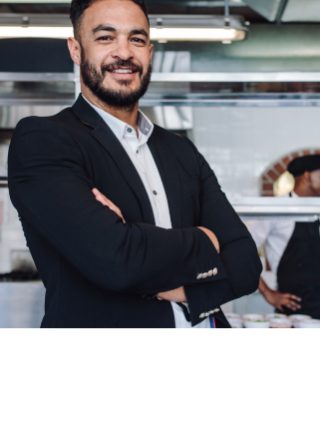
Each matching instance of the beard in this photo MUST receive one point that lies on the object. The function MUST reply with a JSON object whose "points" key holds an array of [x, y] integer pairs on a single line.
{"points": [[123, 99]]}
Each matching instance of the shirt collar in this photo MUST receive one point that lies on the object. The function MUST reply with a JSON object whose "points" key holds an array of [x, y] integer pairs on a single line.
{"points": [[120, 128]]}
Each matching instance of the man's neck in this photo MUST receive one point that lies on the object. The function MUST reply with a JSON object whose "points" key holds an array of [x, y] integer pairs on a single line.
{"points": [[129, 116]]}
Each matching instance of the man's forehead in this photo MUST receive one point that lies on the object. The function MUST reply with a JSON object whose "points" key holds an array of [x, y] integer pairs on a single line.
{"points": [[122, 15], [115, 7]]}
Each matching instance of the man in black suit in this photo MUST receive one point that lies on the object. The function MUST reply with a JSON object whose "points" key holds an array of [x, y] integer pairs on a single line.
{"points": [[126, 222]]}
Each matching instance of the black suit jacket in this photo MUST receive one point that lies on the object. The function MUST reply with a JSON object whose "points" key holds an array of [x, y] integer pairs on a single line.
{"points": [[99, 272]]}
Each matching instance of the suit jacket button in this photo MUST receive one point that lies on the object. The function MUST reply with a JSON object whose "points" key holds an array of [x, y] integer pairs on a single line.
{"points": [[199, 276], [214, 271]]}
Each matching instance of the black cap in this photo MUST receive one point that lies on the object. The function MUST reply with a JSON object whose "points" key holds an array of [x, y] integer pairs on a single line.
{"points": [[306, 163]]}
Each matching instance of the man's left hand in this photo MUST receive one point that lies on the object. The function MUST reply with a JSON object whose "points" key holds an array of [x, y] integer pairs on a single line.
{"points": [[176, 295], [105, 201]]}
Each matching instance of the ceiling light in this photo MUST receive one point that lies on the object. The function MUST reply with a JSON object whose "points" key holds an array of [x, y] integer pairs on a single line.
{"points": [[35, 32], [180, 28], [197, 34], [205, 28]]}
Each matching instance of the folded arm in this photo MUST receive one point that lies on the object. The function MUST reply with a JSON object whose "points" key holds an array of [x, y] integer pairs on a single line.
{"points": [[238, 252], [52, 193]]}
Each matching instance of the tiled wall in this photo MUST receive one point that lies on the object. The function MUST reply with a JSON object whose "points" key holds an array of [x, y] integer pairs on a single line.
{"points": [[241, 143]]}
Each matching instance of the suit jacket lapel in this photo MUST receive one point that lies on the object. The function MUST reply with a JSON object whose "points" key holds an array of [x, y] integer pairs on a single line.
{"points": [[167, 167], [102, 133]]}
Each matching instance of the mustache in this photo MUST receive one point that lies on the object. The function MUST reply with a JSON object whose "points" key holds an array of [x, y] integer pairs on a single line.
{"points": [[127, 63]]}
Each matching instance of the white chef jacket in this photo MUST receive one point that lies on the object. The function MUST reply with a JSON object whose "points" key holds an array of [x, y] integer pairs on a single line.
{"points": [[139, 153], [273, 235]]}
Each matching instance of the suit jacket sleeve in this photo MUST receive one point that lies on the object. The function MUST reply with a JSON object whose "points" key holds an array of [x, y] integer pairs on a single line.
{"points": [[238, 253], [51, 190]]}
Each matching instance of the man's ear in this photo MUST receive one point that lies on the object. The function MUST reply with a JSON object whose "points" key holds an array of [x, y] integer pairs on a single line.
{"points": [[151, 51], [75, 50]]}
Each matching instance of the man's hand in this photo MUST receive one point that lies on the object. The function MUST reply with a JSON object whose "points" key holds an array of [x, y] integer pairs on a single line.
{"points": [[212, 237], [108, 203], [176, 295]]}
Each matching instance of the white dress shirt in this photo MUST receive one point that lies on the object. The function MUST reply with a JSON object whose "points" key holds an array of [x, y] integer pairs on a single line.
{"points": [[135, 145]]}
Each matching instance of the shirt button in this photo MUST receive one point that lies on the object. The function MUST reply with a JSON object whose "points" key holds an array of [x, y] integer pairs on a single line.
{"points": [[129, 130], [137, 151], [154, 192]]}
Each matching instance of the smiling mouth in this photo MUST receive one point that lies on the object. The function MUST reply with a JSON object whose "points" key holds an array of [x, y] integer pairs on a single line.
{"points": [[123, 71]]}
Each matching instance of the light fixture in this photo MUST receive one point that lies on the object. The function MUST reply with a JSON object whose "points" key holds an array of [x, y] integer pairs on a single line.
{"points": [[197, 34], [157, 34], [181, 28], [198, 28], [35, 32]]}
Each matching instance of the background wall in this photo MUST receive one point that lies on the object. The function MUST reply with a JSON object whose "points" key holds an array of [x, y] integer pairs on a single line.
{"points": [[241, 143]]}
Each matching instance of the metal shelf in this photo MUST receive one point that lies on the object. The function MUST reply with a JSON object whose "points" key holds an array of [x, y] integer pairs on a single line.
{"points": [[303, 208], [37, 77], [184, 77]]}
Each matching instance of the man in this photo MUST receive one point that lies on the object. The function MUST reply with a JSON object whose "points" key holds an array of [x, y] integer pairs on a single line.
{"points": [[98, 188], [293, 248]]}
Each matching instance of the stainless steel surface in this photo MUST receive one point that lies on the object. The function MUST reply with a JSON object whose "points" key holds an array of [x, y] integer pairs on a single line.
{"points": [[10, 115], [253, 10], [267, 8], [36, 77], [302, 10], [303, 208], [237, 77]]}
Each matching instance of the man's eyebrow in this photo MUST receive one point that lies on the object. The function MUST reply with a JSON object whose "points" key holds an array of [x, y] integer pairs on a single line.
{"points": [[109, 28], [139, 31], [102, 27]]}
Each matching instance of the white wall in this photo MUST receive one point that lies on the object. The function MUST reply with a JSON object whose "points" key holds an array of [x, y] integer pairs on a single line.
{"points": [[241, 142]]}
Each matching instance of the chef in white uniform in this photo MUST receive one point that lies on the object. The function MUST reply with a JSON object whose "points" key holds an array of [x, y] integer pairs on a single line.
{"points": [[292, 249]]}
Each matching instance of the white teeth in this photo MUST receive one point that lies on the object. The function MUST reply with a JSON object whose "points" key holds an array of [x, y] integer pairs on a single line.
{"points": [[123, 71]]}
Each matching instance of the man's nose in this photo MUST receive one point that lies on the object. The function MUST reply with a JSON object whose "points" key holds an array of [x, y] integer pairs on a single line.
{"points": [[122, 50]]}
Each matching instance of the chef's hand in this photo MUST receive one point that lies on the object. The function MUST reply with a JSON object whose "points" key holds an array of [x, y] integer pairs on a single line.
{"points": [[108, 203], [282, 300], [176, 295]]}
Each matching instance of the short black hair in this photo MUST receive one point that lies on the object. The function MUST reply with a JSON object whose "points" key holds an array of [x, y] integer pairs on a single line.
{"points": [[78, 7]]}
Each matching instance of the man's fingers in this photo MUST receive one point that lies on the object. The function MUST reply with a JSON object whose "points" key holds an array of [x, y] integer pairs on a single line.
{"points": [[102, 198], [108, 203], [176, 295]]}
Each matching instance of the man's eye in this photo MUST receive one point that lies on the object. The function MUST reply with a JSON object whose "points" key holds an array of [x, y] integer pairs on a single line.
{"points": [[138, 40], [105, 38]]}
